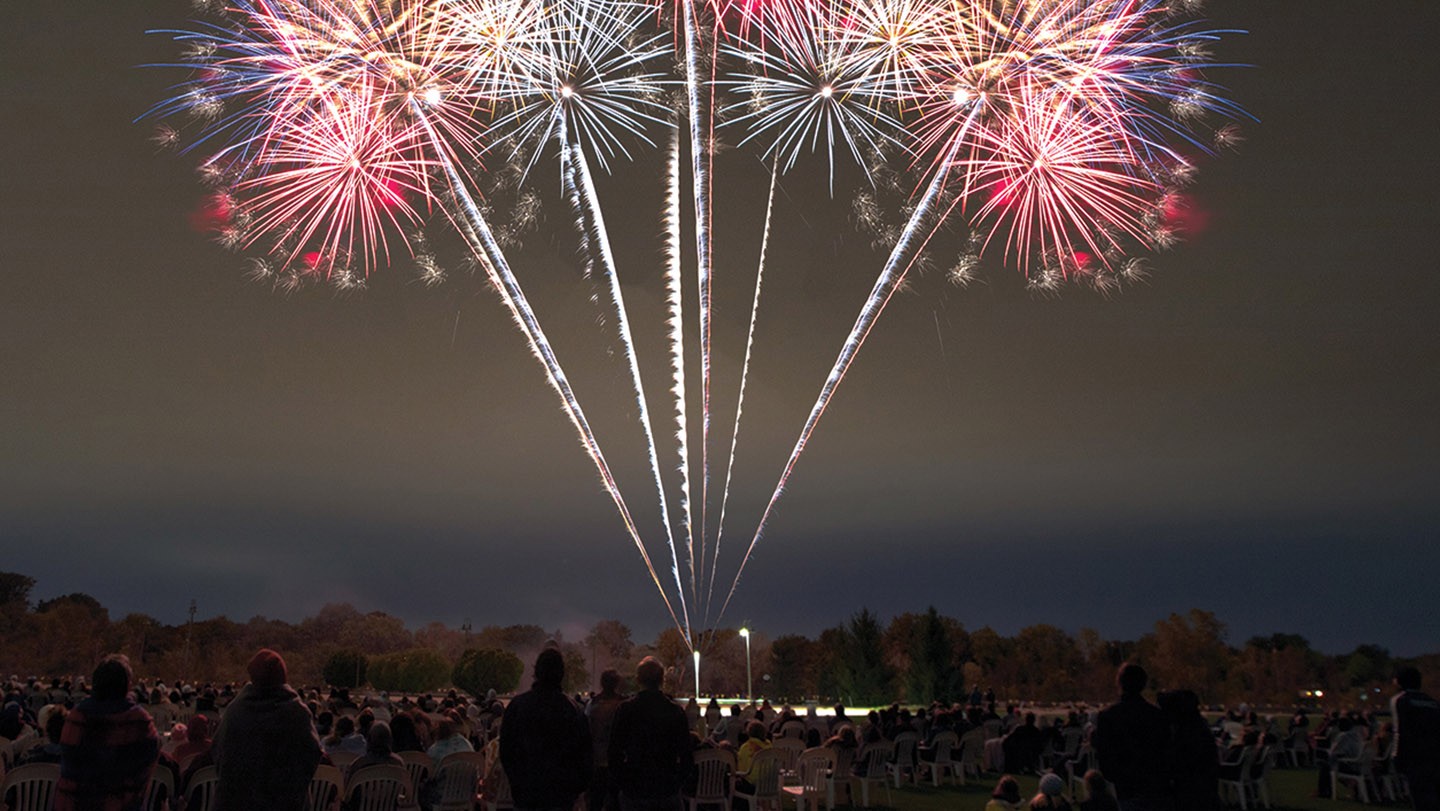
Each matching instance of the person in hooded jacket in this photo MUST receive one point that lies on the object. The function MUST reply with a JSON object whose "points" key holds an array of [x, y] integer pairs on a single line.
{"points": [[266, 748]]}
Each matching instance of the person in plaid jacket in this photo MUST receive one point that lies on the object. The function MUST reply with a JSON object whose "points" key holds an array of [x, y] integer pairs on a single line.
{"points": [[108, 746]]}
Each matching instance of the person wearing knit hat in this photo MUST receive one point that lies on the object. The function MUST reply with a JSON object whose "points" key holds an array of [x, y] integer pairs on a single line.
{"points": [[266, 748], [267, 669], [1052, 794]]}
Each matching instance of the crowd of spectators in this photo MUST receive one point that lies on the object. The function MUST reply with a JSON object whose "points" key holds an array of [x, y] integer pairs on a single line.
{"points": [[634, 753]]}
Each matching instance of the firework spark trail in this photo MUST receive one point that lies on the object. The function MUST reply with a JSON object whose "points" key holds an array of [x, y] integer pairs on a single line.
{"points": [[885, 286], [744, 375], [508, 286], [675, 295], [591, 207], [700, 177]]}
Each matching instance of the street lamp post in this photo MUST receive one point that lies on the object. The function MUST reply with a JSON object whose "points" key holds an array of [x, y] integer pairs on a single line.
{"points": [[697, 677], [749, 685]]}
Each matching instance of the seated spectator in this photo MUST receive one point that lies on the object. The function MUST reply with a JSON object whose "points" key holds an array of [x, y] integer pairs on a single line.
{"points": [[1006, 796], [402, 732], [50, 751], [324, 721], [174, 737], [13, 721], [844, 738], [1230, 761], [378, 751], [1098, 796], [1022, 746], [197, 742], [108, 745], [1051, 796], [344, 738], [755, 742], [448, 740], [1346, 744]]}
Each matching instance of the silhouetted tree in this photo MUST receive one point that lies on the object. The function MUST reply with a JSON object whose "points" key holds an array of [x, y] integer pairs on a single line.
{"points": [[416, 670], [480, 671], [864, 678], [346, 668], [932, 675], [791, 672]]}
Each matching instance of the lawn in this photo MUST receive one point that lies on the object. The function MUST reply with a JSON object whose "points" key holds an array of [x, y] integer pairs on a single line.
{"points": [[1289, 789]]}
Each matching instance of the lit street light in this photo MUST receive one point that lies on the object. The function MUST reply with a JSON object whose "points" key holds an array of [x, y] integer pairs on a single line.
{"points": [[749, 685], [697, 677]]}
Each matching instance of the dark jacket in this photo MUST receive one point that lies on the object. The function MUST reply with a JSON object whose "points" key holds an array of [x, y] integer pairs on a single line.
{"points": [[1130, 741], [650, 747], [266, 750], [1417, 729], [545, 749]]}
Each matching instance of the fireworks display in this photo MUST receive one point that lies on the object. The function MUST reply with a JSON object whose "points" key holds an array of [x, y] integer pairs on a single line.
{"points": [[1053, 133]]}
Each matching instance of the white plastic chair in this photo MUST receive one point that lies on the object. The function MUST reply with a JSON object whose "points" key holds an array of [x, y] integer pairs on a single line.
{"points": [[875, 768], [903, 764], [160, 791], [1236, 786], [839, 776], [1257, 782], [813, 768], [788, 750], [418, 765], [714, 785], [1360, 772], [33, 784], [456, 778], [378, 788], [972, 753], [200, 794], [497, 790], [944, 762], [325, 787], [765, 777]]}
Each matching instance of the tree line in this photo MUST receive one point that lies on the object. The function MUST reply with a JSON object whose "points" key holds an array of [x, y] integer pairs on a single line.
{"points": [[863, 661]]}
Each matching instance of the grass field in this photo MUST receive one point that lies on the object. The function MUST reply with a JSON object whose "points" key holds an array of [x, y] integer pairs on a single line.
{"points": [[1289, 789]]}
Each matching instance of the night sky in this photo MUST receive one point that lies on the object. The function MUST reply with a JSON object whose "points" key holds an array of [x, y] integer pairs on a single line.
{"points": [[1252, 431]]}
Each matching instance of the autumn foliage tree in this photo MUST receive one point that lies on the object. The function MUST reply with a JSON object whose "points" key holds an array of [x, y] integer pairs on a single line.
{"points": [[915, 656]]}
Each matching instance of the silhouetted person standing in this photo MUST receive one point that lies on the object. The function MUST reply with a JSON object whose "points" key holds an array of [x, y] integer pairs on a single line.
{"points": [[266, 748], [108, 746], [1193, 761], [1417, 741], [545, 742], [1130, 742], [601, 710], [650, 746]]}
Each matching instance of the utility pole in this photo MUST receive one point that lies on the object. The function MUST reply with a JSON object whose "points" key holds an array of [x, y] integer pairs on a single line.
{"points": [[189, 632]]}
